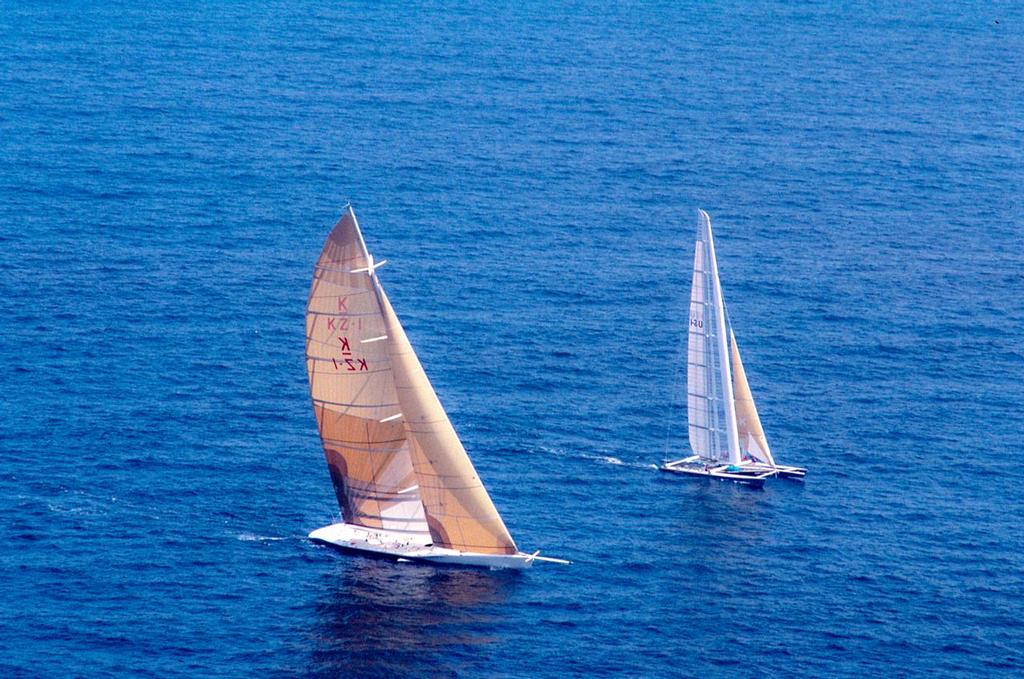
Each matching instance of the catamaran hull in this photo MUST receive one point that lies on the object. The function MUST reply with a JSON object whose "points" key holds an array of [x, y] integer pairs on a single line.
{"points": [[780, 471], [790, 472], [750, 481], [691, 466], [396, 546]]}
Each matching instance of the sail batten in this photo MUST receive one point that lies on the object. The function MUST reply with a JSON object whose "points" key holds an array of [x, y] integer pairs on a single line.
{"points": [[349, 405]]}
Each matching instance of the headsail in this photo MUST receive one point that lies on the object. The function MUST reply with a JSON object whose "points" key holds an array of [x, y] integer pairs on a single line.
{"points": [[710, 408], [353, 391], [459, 511], [753, 442]]}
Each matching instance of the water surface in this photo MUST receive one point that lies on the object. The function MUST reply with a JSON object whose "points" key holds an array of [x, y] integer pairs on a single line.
{"points": [[167, 176]]}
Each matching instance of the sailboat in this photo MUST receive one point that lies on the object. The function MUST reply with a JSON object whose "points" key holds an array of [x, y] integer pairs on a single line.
{"points": [[406, 487], [726, 436]]}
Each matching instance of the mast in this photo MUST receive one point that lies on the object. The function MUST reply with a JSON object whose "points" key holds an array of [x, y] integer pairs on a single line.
{"points": [[723, 348]]}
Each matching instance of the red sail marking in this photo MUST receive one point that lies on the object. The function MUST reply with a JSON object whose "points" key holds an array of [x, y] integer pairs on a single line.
{"points": [[359, 365]]}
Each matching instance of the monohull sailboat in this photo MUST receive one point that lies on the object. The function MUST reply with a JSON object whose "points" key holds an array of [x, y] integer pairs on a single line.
{"points": [[726, 436], [406, 487]]}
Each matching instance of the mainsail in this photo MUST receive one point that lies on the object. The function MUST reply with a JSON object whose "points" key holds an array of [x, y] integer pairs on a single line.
{"points": [[710, 407], [353, 390], [394, 457], [753, 442]]}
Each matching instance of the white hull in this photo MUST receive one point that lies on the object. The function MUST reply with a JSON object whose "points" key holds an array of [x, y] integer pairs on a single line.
{"points": [[402, 546]]}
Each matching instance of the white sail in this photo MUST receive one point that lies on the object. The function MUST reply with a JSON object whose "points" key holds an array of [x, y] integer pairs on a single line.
{"points": [[710, 406]]}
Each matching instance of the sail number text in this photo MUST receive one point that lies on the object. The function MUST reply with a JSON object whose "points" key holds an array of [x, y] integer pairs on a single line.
{"points": [[346, 362]]}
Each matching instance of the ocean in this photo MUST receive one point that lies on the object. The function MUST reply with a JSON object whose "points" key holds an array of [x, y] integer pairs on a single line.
{"points": [[531, 173]]}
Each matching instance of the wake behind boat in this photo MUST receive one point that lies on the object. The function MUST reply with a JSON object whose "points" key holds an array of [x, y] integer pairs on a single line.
{"points": [[406, 487], [725, 430]]}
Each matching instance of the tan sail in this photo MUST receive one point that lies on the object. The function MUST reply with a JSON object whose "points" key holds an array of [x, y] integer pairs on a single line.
{"points": [[753, 442], [459, 511], [353, 391]]}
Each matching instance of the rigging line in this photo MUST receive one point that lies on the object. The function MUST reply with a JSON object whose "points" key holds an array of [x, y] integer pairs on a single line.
{"points": [[681, 356], [373, 493], [376, 448], [703, 428], [331, 269], [325, 274]]}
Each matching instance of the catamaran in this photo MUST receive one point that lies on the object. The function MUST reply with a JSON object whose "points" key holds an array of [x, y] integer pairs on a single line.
{"points": [[726, 435], [406, 487]]}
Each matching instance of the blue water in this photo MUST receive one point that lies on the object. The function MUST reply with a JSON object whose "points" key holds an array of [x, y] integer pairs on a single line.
{"points": [[167, 175]]}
